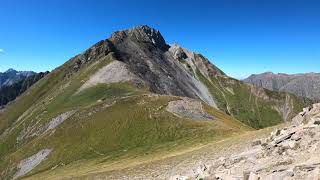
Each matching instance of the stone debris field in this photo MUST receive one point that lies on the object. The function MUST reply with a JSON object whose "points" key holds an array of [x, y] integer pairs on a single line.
{"points": [[289, 153]]}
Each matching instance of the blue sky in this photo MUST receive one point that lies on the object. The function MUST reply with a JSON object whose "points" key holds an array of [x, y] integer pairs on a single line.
{"points": [[239, 36]]}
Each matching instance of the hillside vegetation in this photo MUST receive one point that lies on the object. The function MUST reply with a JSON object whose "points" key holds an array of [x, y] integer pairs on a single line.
{"points": [[111, 103], [110, 120], [253, 106]]}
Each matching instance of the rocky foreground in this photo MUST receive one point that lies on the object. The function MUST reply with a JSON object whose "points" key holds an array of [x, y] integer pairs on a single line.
{"points": [[289, 153]]}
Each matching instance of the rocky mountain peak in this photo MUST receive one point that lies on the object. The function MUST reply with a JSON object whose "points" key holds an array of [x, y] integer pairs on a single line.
{"points": [[269, 73], [12, 76], [14, 72], [142, 34], [178, 52], [10, 70]]}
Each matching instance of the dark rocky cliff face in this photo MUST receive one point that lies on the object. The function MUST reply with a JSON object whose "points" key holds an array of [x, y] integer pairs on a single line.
{"points": [[305, 85], [147, 55], [11, 91], [145, 52]]}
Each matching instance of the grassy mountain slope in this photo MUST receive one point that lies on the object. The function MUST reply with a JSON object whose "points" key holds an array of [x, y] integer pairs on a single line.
{"points": [[114, 118], [253, 106], [134, 123]]}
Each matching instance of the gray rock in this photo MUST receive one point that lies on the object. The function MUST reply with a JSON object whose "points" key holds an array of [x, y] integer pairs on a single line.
{"points": [[317, 122], [296, 137], [283, 137], [256, 142], [280, 175], [58, 120], [297, 120], [250, 176], [314, 174], [288, 144], [307, 167], [178, 177], [146, 54], [30, 163], [188, 108], [114, 72]]}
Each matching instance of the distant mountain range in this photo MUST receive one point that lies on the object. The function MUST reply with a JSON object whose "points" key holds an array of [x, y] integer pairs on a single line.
{"points": [[305, 85], [12, 76], [13, 83]]}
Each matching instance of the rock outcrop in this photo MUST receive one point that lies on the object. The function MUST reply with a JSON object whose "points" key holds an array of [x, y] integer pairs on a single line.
{"points": [[288, 153], [37, 129], [29, 163], [114, 72], [188, 108]]}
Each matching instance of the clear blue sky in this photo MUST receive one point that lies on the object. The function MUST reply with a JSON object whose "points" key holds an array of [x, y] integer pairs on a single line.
{"points": [[239, 36]]}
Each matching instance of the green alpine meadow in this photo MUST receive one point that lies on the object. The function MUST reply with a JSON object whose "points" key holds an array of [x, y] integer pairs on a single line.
{"points": [[128, 100]]}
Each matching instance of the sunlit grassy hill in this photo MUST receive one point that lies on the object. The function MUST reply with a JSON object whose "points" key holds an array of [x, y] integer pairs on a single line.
{"points": [[112, 102]]}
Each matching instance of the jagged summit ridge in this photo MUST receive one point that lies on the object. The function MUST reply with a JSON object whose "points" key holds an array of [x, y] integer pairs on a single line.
{"points": [[10, 70], [145, 53], [142, 34]]}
